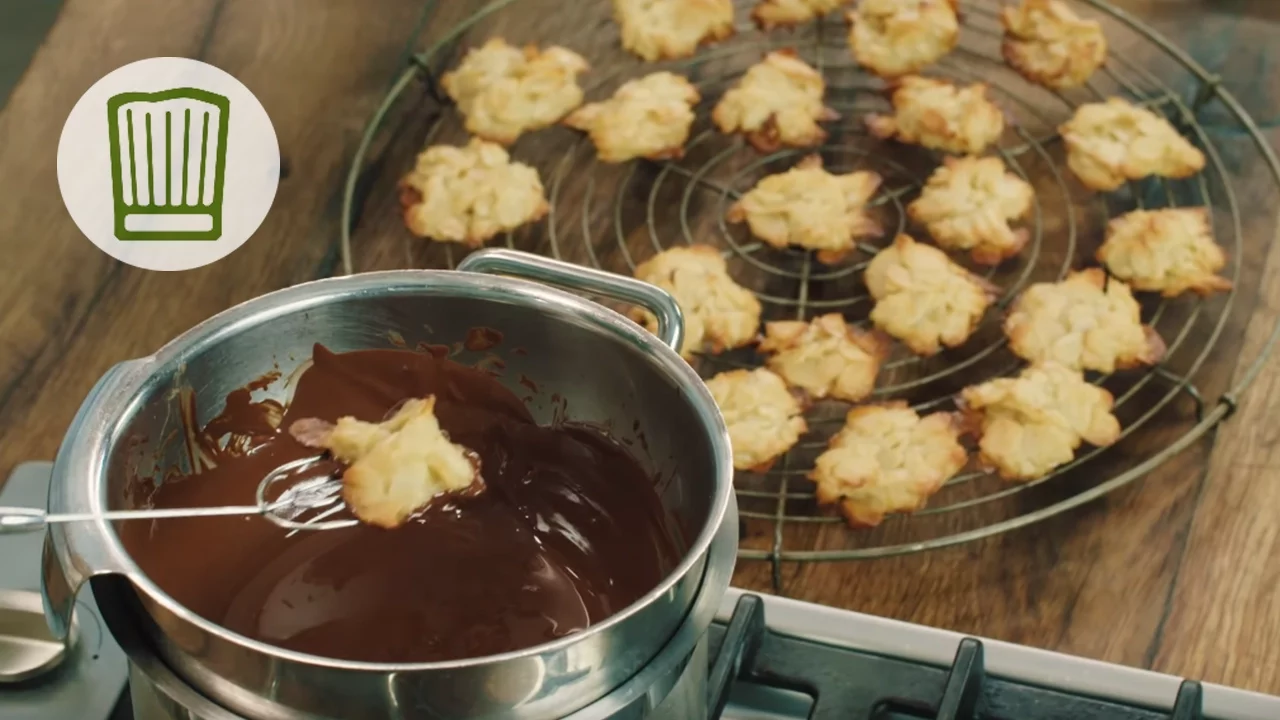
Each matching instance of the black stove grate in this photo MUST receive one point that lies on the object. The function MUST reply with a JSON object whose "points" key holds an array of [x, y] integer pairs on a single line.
{"points": [[853, 685]]}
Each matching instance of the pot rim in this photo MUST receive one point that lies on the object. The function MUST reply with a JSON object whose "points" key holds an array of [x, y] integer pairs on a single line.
{"points": [[271, 306]]}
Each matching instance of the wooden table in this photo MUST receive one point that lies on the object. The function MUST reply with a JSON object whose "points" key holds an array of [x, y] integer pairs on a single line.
{"points": [[1177, 572]]}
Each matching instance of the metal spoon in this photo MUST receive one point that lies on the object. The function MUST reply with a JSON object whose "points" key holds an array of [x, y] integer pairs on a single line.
{"points": [[303, 505]]}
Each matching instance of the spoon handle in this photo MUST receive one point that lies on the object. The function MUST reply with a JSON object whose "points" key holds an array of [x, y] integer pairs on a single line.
{"points": [[25, 519]]}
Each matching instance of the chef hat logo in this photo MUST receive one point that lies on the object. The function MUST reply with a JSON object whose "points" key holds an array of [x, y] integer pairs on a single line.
{"points": [[168, 164]]}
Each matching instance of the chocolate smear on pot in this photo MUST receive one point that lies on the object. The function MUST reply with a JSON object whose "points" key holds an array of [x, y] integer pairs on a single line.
{"points": [[480, 339], [568, 531]]}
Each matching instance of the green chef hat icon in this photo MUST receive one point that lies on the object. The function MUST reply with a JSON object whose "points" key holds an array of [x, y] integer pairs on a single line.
{"points": [[168, 163]]}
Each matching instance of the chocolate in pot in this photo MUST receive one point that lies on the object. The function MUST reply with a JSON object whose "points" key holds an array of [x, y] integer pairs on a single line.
{"points": [[569, 530]]}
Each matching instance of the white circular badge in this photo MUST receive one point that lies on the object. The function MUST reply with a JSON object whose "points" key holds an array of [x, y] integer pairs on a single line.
{"points": [[168, 164]]}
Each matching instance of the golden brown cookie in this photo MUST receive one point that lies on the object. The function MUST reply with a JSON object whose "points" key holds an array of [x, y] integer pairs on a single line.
{"points": [[826, 357], [504, 91], [395, 467], [887, 459], [719, 314], [940, 116], [777, 103], [1033, 423], [1113, 141], [809, 207], [1049, 44], [763, 417], [648, 117], [924, 299], [968, 204], [669, 29], [892, 38], [770, 14], [469, 194], [1085, 322], [1168, 251]]}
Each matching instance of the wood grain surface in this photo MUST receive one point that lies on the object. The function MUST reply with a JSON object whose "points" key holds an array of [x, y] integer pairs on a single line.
{"points": [[1175, 572]]}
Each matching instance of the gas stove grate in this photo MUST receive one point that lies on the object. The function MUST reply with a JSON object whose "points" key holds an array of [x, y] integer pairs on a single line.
{"points": [[848, 684]]}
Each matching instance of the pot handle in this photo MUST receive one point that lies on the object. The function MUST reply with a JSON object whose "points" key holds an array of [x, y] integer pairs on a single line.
{"points": [[74, 552], [514, 263]]}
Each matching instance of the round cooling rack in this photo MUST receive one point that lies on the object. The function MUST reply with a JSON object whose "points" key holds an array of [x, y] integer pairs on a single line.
{"points": [[615, 216]]}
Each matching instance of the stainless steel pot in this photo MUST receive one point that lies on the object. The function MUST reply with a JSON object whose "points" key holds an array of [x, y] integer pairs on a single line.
{"points": [[672, 686], [581, 355]]}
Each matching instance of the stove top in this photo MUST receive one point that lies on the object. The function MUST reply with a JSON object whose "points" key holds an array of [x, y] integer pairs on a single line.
{"points": [[90, 678], [776, 658], [772, 659]]}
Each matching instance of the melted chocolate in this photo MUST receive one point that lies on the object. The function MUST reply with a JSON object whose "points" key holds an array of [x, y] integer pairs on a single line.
{"points": [[568, 531]]}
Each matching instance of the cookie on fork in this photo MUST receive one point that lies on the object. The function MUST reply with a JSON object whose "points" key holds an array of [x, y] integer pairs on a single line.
{"points": [[397, 467]]}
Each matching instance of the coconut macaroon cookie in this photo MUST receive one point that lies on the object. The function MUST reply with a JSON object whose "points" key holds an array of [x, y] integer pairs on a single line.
{"points": [[777, 103], [826, 357], [670, 29], [968, 203], [940, 116], [770, 14], [719, 314], [1084, 322], [1111, 142], [923, 298], [469, 194], [811, 208], [892, 38], [504, 91], [395, 467], [1032, 423], [648, 118], [763, 416], [1049, 44], [887, 459], [1169, 251]]}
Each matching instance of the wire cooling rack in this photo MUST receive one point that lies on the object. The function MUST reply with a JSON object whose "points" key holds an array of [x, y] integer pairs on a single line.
{"points": [[615, 216]]}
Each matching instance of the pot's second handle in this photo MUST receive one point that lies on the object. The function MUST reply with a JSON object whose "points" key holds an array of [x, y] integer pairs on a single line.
{"points": [[75, 552], [500, 261]]}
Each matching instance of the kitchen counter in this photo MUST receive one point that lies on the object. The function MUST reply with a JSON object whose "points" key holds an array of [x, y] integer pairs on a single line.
{"points": [[1175, 572]]}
